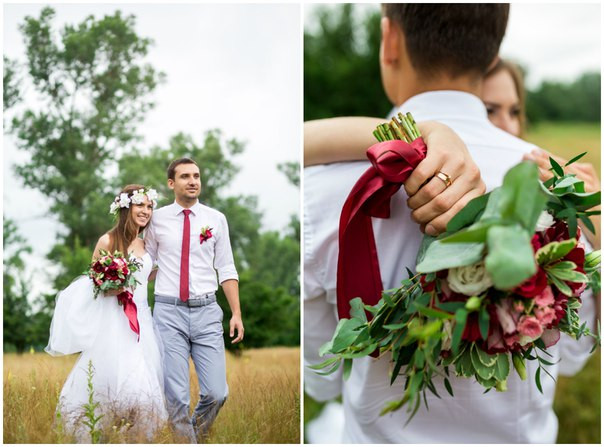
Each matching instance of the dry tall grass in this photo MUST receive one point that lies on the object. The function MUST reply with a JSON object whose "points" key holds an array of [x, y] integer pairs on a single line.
{"points": [[263, 404]]}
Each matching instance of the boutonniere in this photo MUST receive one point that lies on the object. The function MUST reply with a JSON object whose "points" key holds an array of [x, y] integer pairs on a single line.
{"points": [[206, 233]]}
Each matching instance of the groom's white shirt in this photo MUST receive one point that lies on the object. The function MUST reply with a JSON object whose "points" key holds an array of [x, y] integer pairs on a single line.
{"points": [[163, 241], [520, 415]]}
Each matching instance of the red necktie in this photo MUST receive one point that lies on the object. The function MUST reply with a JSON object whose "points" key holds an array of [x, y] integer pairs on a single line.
{"points": [[358, 267], [184, 257]]}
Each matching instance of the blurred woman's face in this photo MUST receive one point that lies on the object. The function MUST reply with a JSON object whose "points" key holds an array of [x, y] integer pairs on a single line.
{"points": [[501, 100]]}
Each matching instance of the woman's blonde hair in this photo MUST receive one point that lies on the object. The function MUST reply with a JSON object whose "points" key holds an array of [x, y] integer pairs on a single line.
{"points": [[518, 79]]}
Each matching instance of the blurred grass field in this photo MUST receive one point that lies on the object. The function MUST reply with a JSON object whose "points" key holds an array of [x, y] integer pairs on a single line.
{"points": [[578, 399], [263, 404]]}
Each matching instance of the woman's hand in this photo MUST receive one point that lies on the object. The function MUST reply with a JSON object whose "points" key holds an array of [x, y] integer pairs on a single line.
{"points": [[114, 292], [432, 201], [583, 171]]}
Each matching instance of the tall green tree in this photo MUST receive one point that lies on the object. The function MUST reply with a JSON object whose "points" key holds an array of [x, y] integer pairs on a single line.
{"points": [[341, 65], [15, 288], [11, 92], [94, 89]]}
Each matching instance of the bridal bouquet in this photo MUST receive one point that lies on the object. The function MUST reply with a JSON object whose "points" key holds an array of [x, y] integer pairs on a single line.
{"points": [[115, 272], [496, 289]]}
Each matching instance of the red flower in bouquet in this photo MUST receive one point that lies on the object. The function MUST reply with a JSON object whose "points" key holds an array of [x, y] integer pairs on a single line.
{"points": [[114, 272], [205, 234]]}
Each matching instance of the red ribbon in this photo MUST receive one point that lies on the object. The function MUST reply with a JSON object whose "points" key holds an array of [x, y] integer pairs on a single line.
{"points": [[358, 267], [125, 299]]}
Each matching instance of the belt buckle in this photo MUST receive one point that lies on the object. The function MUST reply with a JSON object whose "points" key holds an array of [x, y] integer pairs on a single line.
{"points": [[194, 302]]}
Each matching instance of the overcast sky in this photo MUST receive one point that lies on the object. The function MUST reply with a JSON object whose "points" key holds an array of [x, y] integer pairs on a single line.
{"points": [[233, 67], [555, 41]]}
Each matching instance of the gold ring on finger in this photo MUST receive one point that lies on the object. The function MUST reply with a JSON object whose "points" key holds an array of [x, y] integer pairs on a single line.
{"points": [[445, 178]]}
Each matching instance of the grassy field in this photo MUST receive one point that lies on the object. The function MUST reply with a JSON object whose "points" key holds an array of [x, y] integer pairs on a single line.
{"points": [[263, 404], [568, 140], [578, 399]]}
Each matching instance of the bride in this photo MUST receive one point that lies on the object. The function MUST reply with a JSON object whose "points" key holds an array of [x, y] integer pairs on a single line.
{"points": [[124, 371]]}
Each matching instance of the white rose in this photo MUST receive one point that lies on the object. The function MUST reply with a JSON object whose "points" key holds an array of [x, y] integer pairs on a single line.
{"points": [[124, 201], [152, 195], [138, 197], [469, 280], [545, 221]]}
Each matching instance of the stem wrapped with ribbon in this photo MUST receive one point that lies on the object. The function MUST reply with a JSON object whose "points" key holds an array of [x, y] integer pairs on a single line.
{"points": [[399, 151]]}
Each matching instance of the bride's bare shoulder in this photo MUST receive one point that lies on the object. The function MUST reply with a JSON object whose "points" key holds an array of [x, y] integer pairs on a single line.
{"points": [[104, 243]]}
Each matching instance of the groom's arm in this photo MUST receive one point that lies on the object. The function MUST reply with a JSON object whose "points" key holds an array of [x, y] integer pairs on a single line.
{"points": [[231, 291]]}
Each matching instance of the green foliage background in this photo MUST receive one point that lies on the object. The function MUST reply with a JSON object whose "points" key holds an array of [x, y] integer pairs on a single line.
{"points": [[342, 78], [83, 146]]}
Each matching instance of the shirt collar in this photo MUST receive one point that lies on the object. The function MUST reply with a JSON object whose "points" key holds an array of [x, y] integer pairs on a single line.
{"points": [[194, 209], [444, 104]]}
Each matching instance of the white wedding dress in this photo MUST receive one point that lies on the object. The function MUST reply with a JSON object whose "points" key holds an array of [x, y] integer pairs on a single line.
{"points": [[127, 374]]}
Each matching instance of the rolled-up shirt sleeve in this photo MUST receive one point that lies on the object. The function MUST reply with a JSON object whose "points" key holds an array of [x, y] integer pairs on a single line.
{"points": [[223, 254], [151, 242]]}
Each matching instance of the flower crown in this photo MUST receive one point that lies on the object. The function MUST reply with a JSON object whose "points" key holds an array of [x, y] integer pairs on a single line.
{"points": [[124, 199]]}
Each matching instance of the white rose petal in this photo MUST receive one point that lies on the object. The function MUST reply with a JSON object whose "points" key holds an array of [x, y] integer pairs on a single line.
{"points": [[138, 197], [545, 221], [470, 280], [113, 208]]}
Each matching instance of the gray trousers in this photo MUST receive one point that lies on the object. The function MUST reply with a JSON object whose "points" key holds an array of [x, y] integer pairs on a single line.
{"points": [[194, 332]]}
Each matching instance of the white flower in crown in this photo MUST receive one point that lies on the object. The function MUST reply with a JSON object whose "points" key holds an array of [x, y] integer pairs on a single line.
{"points": [[114, 207], [124, 200], [138, 197]]}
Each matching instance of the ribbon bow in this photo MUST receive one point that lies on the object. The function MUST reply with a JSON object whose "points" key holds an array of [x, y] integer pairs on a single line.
{"points": [[125, 299], [358, 267]]}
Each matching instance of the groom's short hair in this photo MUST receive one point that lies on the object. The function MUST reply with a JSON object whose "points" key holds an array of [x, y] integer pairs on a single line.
{"points": [[181, 161], [456, 38]]}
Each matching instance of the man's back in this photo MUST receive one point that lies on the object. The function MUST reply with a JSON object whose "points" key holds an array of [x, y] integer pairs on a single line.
{"points": [[522, 414]]}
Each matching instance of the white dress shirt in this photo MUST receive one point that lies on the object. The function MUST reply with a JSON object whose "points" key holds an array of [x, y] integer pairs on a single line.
{"points": [[520, 415], [163, 241]]}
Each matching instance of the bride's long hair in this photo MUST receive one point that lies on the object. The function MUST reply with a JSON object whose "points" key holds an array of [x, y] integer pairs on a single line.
{"points": [[125, 230]]}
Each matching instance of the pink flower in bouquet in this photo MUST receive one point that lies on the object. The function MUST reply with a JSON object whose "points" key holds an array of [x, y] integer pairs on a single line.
{"points": [[545, 298], [507, 315], [545, 315], [529, 329], [550, 337]]}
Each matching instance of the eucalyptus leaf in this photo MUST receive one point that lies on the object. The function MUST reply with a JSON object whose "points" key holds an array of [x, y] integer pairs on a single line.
{"points": [[468, 214], [441, 256], [510, 260]]}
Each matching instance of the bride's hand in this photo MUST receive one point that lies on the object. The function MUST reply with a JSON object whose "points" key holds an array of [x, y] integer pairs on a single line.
{"points": [[114, 292], [432, 201]]}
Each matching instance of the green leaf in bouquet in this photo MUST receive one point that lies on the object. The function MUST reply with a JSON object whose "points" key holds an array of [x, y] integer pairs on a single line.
{"points": [[538, 380], [502, 367], [330, 361], [592, 260], [510, 260], [492, 210], [392, 406], [464, 366], [522, 197], [347, 369], [441, 256], [487, 383], [582, 201], [448, 387], [461, 315], [519, 364], [433, 313], [570, 216], [357, 309], [563, 265], [575, 159], [556, 167], [468, 214], [476, 233], [485, 358], [419, 359], [569, 181], [554, 250], [567, 275], [346, 333], [483, 322], [451, 306], [587, 222], [332, 369], [482, 370]]}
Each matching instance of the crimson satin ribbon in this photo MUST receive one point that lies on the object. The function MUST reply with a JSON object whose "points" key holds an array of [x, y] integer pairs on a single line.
{"points": [[358, 267], [125, 299]]}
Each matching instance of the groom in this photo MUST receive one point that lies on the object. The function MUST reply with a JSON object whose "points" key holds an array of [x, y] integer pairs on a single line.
{"points": [[190, 243], [432, 60]]}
